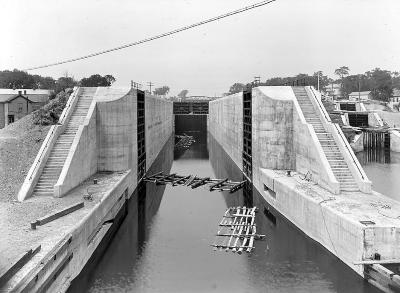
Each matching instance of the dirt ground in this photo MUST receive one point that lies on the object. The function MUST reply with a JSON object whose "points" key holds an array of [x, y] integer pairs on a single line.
{"points": [[19, 145]]}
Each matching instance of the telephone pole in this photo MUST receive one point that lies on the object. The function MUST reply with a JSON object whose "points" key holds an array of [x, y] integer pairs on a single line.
{"points": [[150, 84]]}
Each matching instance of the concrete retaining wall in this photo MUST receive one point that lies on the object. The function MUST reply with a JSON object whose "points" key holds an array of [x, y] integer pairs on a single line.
{"points": [[395, 141], [225, 122], [159, 126]]}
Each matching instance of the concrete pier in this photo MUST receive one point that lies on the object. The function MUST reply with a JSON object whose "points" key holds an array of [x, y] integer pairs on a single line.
{"points": [[354, 225]]}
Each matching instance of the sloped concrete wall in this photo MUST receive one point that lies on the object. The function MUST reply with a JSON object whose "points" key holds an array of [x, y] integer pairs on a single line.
{"points": [[225, 123], [272, 130], [159, 126], [81, 162], [116, 130]]}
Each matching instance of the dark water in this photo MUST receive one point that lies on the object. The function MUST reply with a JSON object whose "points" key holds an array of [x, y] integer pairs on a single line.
{"points": [[383, 169], [169, 249]]}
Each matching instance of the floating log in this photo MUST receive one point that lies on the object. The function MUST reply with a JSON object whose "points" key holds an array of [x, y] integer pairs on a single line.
{"points": [[201, 182], [218, 184]]}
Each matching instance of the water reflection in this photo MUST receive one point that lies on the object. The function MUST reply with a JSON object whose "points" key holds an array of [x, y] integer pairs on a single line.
{"points": [[114, 270], [384, 174], [172, 253], [288, 261]]}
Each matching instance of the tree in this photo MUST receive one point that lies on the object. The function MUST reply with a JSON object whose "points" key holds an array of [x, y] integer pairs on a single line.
{"points": [[97, 80], [236, 88], [323, 79], [161, 91], [342, 72], [183, 94]]}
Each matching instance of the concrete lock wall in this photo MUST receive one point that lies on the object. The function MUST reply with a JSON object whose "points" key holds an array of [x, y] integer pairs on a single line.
{"points": [[281, 137], [159, 126], [272, 130], [107, 141], [225, 123]]}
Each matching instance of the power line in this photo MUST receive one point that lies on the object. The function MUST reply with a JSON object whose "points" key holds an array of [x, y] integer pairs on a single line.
{"points": [[262, 3]]}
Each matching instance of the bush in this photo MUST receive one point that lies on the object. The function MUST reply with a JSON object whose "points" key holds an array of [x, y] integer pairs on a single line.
{"points": [[51, 112]]}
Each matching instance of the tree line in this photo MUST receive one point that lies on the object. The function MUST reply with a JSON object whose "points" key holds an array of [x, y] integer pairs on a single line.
{"points": [[380, 82], [21, 79]]}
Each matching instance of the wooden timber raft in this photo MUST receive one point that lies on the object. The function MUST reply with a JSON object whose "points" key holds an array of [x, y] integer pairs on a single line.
{"points": [[237, 230], [195, 182], [185, 141]]}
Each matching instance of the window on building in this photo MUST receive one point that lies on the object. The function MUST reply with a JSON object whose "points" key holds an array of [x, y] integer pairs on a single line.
{"points": [[20, 107], [10, 119]]}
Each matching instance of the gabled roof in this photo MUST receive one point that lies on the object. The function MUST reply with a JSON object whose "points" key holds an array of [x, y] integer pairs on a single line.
{"points": [[16, 96], [35, 96], [24, 92], [365, 93]]}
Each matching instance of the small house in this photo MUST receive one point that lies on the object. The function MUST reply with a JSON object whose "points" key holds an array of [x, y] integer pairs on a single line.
{"points": [[17, 103], [360, 96]]}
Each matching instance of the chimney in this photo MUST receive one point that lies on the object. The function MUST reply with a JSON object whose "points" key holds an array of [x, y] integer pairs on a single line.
{"points": [[19, 92], [24, 92]]}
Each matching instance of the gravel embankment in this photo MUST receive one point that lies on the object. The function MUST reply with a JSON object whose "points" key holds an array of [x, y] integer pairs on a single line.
{"points": [[19, 145]]}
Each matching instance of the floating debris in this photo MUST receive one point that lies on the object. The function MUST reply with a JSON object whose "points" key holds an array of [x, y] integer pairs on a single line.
{"points": [[185, 141], [195, 182], [237, 230]]}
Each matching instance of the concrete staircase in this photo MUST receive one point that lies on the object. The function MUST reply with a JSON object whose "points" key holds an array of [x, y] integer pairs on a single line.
{"points": [[58, 155], [332, 152]]}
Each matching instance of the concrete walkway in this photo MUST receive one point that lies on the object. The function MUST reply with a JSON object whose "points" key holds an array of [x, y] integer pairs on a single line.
{"points": [[16, 235]]}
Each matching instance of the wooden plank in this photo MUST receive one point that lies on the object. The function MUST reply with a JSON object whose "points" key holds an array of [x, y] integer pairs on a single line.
{"points": [[28, 282], [218, 183], [58, 214], [190, 180], [179, 180], [15, 266], [201, 182], [381, 261], [237, 187]]}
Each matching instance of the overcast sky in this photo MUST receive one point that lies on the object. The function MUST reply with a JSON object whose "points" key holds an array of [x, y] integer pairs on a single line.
{"points": [[284, 38]]}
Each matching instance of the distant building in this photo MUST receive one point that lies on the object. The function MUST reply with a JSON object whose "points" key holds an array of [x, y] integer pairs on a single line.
{"points": [[333, 91], [395, 98], [16, 103], [200, 98], [360, 96]]}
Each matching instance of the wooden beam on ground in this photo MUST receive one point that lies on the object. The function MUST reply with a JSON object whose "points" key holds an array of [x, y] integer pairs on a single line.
{"points": [[58, 214], [381, 261], [190, 181], [15, 266]]}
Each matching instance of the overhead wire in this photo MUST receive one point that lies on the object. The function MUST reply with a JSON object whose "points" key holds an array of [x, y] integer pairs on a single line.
{"points": [[241, 10]]}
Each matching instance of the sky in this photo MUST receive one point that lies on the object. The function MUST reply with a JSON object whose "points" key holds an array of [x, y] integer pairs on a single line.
{"points": [[283, 38]]}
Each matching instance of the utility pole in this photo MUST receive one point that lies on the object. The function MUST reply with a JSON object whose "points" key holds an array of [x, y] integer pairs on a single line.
{"points": [[359, 94], [150, 84]]}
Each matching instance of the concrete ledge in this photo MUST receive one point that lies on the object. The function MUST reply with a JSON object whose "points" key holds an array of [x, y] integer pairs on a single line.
{"points": [[334, 220]]}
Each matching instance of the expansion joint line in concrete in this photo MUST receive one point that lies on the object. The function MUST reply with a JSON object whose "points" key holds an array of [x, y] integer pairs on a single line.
{"points": [[326, 227]]}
